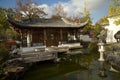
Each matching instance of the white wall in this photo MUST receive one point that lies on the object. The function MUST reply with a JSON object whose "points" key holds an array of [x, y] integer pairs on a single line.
{"points": [[112, 29]]}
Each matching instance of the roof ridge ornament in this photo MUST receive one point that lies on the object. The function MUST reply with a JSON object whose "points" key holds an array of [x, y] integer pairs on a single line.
{"points": [[74, 23]]}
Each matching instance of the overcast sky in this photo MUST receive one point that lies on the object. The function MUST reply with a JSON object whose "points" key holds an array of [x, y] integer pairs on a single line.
{"points": [[97, 8]]}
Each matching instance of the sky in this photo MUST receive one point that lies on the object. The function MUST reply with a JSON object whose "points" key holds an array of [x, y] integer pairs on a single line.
{"points": [[97, 8]]}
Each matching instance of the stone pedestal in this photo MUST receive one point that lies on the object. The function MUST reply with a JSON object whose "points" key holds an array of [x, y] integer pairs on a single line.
{"points": [[101, 57], [101, 51], [102, 72]]}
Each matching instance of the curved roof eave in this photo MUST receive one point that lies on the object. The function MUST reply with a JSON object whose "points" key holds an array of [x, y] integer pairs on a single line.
{"points": [[22, 25]]}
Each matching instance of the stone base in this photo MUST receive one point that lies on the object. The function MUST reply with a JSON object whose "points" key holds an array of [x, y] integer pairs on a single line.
{"points": [[101, 59], [112, 69]]}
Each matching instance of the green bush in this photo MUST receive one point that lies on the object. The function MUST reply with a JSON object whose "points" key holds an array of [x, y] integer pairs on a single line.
{"points": [[93, 47], [110, 47], [4, 54]]}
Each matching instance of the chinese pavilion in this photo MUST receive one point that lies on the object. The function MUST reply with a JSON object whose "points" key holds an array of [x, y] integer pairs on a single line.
{"points": [[48, 32]]}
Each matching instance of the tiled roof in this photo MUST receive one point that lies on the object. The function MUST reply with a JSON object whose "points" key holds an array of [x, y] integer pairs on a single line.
{"points": [[44, 23]]}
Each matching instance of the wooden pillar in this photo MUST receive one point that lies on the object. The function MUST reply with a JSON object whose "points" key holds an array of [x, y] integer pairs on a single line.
{"points": [[31, 37], [28, 39], [61, 35], [78, 35], [74, 34], [45, 37], [21, 38]]}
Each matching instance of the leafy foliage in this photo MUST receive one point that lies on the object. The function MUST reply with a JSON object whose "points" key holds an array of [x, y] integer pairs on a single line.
{"points": [[3, 24], [93, 47], [117, 22], [27, 10], [59, 11], [99, 25], [11, 33], [102, 21], [89, 27], [97, 29], [114, 10], [5, 29], [4, 53]]}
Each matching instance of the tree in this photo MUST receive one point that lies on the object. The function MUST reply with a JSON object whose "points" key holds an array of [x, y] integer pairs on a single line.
{"points": [[111, 10], [5, 26], [99, 25], [3, 23], [89, 27], [102, 21], [27, 10], [4, 54], [11, 33], [114, 10], [59, 11], [97, 29]]}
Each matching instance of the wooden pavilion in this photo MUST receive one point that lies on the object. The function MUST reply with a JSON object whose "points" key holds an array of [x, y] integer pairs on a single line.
{"points": [[48, 32]]}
